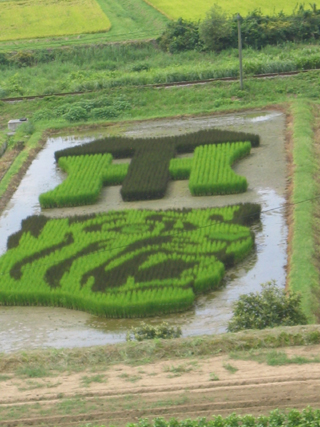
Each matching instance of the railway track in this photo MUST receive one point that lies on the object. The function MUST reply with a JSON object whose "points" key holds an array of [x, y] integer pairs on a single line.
{"points": [[164, 85]]}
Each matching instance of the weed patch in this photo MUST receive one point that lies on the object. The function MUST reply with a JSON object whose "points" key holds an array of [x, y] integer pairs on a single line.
{"points": [[230, 368]]}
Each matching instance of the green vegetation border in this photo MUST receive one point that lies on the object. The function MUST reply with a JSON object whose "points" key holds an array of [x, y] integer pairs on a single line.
{"points": [[303, 276], [20, 160], [134, 352]]}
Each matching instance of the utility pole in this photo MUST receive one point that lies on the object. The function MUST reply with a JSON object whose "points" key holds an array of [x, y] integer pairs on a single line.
{"points": [[240, 50]]}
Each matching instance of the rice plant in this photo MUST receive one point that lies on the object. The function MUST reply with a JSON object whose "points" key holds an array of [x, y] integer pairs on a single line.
{"points": [[211, 171], [153, 163], [86, 176], [132, 263]]}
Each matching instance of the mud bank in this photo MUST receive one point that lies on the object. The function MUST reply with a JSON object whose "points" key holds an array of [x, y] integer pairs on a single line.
{"points": [[265, 169]]}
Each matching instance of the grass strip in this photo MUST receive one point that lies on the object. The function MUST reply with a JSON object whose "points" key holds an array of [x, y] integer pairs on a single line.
{"points": [[148, 351], [303, 276], [19, 162]]}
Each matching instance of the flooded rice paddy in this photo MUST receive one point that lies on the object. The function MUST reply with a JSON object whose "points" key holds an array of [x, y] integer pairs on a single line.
{"points": [[265, 169]]}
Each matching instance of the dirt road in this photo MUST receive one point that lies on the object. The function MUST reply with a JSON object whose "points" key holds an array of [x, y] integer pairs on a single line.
{"points": [[194, 387]]}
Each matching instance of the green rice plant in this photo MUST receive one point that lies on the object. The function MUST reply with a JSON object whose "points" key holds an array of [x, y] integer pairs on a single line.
{"points": [[86, 176], [124, 264], [211, 171], [180, 168], [148, 174]]}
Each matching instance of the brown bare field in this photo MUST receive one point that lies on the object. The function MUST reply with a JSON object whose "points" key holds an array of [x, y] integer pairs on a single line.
{"points": [[182, 388]]}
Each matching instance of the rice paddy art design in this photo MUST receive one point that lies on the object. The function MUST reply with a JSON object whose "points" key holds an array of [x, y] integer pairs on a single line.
{"points": [[131, 263]]}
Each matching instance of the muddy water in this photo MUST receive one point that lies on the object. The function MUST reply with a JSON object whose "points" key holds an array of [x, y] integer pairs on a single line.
{"points": [[30, 327]]}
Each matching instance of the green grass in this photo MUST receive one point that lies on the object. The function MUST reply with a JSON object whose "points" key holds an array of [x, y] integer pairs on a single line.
{"points": [[102, 67], [150, 103], [31, 371], [273, 357], [52, 18], [230, 368], [303, 276], [213, 377], [145, 352], [86, 381], [177, 371], [187, 10], [130, 20]]}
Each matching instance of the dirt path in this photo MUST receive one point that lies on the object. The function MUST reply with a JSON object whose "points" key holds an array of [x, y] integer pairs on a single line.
{"points": [[173, 388]]}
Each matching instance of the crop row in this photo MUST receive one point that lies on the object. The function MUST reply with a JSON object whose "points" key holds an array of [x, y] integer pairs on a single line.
{"points": [[126, 263]]}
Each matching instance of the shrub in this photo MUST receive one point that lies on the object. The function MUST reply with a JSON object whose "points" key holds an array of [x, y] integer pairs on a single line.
{"points": [[179, 36], [149, 332], [140, 66], [267, 309], [76, 114], [104, 113], [215, 30]]}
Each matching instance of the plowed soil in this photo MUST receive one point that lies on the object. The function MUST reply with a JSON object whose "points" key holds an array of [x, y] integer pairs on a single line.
{"points": [[185, 388]]}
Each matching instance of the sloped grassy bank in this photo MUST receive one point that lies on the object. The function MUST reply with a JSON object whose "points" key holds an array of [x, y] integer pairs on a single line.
{"points": [[304, 276], [153, 350]]}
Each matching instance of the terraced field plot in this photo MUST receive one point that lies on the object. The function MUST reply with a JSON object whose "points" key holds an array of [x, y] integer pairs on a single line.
{"points": [[190, 10], [33, 19]]}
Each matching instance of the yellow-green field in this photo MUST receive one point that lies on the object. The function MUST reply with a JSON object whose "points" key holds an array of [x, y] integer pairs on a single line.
{"points": [[195, 10], [32, 19]]}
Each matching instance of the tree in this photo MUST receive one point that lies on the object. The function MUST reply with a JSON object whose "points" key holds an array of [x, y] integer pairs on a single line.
{"points": [[215, 30], [267, 309], [180, 35]]}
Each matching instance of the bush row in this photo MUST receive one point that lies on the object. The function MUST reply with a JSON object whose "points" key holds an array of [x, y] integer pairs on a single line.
{"points": [[124, 263], [276, 418], [219, 31], [101, 108]]}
